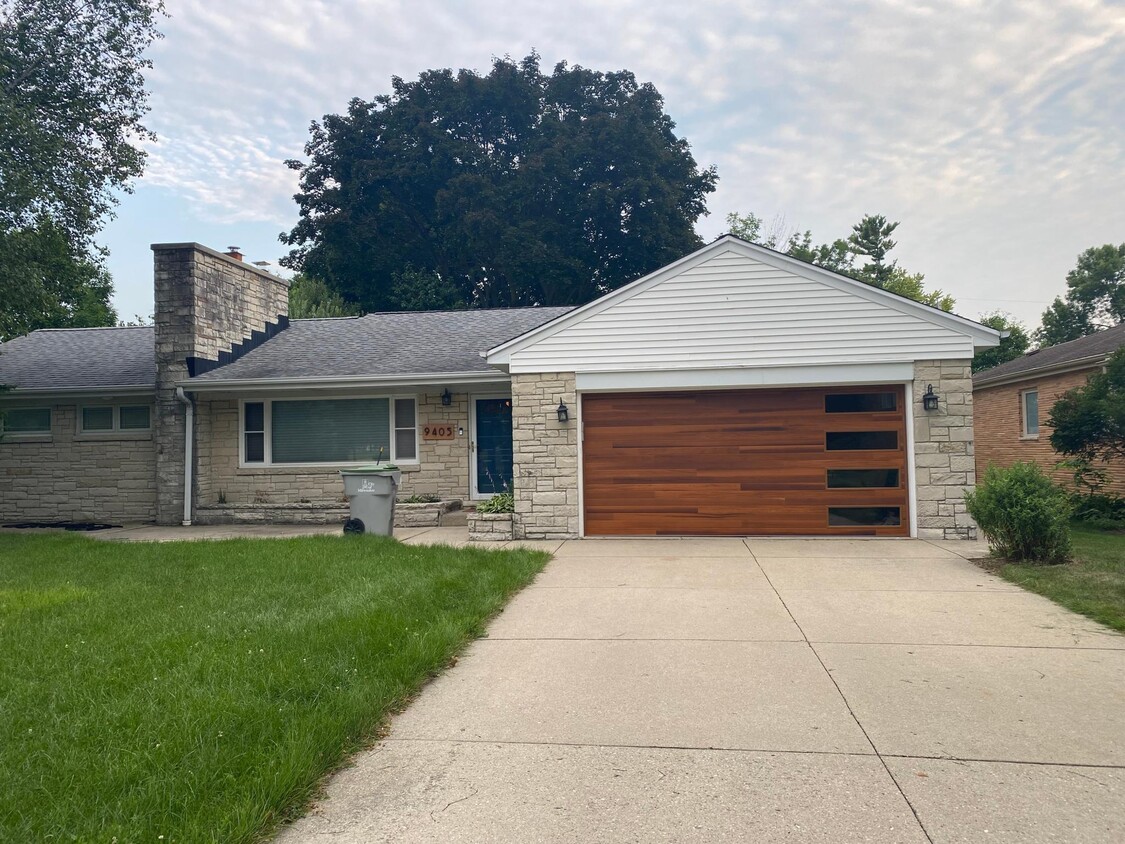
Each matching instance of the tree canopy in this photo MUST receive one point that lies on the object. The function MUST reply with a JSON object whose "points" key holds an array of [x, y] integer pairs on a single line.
{"points": [[512, 188], [1095, 297], [1010, 348], [863, 255], [72, 99]]}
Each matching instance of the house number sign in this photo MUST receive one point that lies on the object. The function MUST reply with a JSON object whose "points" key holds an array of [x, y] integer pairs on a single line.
{"points": [[439, 431]]}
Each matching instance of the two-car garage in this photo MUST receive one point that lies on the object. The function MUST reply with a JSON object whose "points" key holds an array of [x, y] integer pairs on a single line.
{"points": [[829, 461]]}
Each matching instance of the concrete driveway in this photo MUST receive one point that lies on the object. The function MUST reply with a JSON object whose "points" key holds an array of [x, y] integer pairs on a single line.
{"points": [[758, 690]]}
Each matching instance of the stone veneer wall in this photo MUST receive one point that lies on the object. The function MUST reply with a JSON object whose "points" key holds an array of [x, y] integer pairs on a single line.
{"points": [[205, 302], [943, 450], [545, 456], [443, 468], [73, 477]]}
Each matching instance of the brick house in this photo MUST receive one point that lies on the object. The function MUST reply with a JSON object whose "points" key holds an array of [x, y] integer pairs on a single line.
{"points": [[1011, 402], [736, 391]]}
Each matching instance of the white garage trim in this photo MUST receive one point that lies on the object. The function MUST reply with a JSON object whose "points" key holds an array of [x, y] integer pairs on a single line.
{"points": [[778, 376]]}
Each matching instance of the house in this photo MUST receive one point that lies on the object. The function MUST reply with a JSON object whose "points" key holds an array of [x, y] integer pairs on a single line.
{"points": [[735, 391], [1012, 402]]}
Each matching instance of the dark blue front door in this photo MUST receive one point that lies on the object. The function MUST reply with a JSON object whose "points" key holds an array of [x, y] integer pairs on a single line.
{"points": [[494, 445]]}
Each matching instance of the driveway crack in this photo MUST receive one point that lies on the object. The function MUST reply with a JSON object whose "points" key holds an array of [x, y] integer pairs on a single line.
{"points": [[840, 692]]}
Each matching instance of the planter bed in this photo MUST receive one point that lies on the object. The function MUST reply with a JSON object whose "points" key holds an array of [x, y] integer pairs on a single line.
{"points": [[490, 527]]}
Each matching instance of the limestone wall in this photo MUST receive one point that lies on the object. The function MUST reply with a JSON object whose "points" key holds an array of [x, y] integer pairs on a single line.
{"points": [[442, 470], [943, 450], [68, 476], [545, 456]]}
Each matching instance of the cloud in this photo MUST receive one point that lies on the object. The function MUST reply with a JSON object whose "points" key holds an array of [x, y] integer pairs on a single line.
{"points": [[992, 130]]}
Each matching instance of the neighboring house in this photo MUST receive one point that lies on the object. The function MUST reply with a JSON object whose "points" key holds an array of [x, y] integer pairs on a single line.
{"points": [[1012, 401], [736, 391]]}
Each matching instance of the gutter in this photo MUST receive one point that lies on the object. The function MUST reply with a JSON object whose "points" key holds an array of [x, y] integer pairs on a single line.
{"points": [[1088, 362], [343, 381], [188, 431]]}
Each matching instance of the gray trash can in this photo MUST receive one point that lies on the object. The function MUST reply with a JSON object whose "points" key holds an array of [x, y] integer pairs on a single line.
{"points": [[371, 498]]}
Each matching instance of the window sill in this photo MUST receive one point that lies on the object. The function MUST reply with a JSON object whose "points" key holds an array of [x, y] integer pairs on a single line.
{"points": [[103, 436], [312, 468], [1031, 437], [26, 438]]}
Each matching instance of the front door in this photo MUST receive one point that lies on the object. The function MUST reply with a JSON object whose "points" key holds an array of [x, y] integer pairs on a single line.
{"points": [[492, 445]]}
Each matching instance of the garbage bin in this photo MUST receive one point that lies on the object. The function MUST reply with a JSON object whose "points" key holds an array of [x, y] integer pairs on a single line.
{"points": [[371, 498]]}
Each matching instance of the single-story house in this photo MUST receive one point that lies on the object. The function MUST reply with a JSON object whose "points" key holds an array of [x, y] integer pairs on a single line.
{"points": [[1012, 402], [736, 391]]}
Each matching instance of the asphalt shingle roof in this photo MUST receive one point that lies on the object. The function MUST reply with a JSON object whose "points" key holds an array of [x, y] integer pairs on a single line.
{"points": [[80, 357], [404, 343], [1098, 344]]}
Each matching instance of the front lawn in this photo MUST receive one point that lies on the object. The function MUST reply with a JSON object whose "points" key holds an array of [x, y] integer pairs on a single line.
{"points": [[198, 691], [1092, 584]]}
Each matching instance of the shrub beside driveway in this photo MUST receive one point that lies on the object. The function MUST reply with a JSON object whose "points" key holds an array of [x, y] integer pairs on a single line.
{"points": [[199, 691]]}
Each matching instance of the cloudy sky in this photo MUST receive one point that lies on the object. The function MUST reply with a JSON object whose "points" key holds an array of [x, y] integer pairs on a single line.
{"points": [[994, 131]]}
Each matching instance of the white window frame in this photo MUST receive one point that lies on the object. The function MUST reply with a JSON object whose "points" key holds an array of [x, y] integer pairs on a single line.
{"points": [[116, 430], [1024, 433], [267, 422]]}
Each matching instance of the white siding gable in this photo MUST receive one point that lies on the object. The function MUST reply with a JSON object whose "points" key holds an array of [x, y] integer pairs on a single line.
{"points": [[728, 308]]}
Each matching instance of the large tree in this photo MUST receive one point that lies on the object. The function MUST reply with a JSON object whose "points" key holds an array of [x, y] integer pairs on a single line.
{"points": [[72, 99], [511, 188], [863, 255], [1095, 297]]}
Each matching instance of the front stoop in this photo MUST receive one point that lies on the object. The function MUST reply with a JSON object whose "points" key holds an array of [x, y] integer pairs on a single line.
{"points": [[490, 527]]}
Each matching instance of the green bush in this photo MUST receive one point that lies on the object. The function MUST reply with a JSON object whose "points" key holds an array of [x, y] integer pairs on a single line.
{"points": [[1023, 514], [502, 502], [1099, 509]]}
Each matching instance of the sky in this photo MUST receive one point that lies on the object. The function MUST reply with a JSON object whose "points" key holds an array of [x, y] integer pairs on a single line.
{"points": [[993, 131]]}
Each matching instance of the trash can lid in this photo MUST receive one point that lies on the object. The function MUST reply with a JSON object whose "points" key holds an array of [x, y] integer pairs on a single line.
{"points": [[373, 468]]}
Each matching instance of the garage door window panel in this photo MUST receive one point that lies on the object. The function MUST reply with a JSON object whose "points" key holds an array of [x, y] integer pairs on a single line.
{"points": [[861, 402], [864, 517], [861, 440], [863, 478]]}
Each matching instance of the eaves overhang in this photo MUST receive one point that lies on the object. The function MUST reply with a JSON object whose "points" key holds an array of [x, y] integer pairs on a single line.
{"points": [[343, 382]]}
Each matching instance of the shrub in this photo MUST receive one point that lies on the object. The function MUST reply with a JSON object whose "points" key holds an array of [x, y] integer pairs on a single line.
{"points": [[1099, 510], [1022, 513], [502, 502], [420, 499]]}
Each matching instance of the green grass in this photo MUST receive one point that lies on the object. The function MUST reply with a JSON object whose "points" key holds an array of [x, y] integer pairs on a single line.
{"points": [[1092, 584], [199, 691]]}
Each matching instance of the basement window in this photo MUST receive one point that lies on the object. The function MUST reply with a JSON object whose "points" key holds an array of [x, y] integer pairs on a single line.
{"points": [[339, 431]]}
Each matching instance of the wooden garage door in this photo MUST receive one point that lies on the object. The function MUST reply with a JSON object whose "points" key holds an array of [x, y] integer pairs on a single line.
{"points": [[796, 462]]}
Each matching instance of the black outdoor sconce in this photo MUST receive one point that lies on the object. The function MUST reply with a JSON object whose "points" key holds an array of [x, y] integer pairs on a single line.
{"points": [[446, 398], [929, 399], [563, 412]]}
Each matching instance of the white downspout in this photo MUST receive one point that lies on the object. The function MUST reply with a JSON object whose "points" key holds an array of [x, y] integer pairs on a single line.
{"points": [[188, 438]]}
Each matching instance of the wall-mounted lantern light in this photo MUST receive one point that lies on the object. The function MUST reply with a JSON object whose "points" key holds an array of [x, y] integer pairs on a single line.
{"points": [[446, 398], [930, 399], [563, 412]]}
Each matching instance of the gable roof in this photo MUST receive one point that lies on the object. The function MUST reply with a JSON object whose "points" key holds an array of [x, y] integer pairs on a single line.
{"points": [[70, 359], [736, 285], [398, 344], [1090, 350]]}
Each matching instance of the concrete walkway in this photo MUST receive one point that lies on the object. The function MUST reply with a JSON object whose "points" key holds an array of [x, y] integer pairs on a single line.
{"points": [[759, 690]]}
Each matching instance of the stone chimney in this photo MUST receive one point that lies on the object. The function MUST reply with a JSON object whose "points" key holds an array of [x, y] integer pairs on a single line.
{"points": [[206, 303]]}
